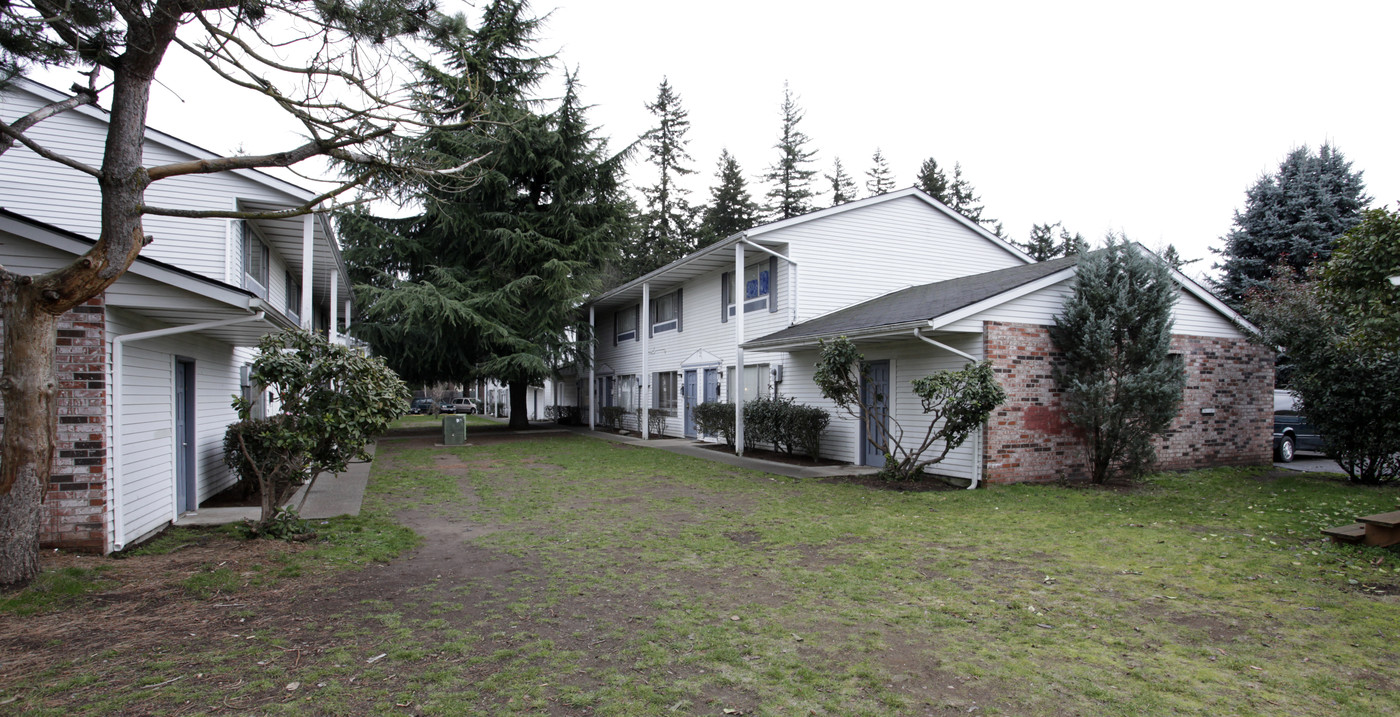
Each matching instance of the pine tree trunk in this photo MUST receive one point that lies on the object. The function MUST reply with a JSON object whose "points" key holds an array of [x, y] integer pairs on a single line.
{"points": [[519, 418], [29, 386]]}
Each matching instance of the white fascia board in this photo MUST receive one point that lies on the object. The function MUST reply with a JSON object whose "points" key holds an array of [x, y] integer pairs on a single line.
{"points": [[995, 301], [726, 243], [179, 145], [891, 196]]}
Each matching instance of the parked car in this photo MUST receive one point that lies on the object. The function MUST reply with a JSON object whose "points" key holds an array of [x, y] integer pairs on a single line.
{"points": [[446, 407], [466, 405], [420, 406], [1292, 432]]}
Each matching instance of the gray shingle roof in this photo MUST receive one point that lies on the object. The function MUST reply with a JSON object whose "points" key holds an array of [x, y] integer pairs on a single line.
{"points": [[918, 303]]}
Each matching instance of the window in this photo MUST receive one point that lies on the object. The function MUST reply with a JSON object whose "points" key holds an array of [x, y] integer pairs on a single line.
{"points": [[627, 392], [758, 280], [756, 382], [666, 313], [257, 259], [664, 385], [625, 324], [293, 298]]}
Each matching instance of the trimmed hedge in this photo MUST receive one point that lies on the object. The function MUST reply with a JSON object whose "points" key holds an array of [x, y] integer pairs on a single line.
{"points": [[778, 422]]}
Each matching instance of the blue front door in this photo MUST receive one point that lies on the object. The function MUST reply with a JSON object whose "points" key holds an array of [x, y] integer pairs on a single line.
{"points": [[186, 492], [689, 397], [874, 394]]}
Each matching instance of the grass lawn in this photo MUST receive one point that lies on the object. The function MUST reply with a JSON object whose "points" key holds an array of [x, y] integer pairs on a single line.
{"points": [[566, 575]]}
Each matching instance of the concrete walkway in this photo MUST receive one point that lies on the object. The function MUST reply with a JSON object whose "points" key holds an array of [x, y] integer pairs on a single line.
{"points": [[698, 449], [1311, 463], [333, 495]]}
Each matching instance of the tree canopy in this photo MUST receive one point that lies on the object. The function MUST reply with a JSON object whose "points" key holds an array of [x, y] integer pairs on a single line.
{"points": [[1293, 215], [731, 208], [843, 188], [666, 230], [490, 273], [880, 179]]}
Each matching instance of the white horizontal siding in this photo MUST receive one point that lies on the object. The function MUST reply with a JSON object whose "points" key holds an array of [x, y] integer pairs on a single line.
{"points": [[866, 252], [66, 198], [1190, 315], [147, 429]]}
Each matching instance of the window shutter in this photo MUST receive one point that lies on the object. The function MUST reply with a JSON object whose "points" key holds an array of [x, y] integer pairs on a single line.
{"points": [[651, 319], [724, 281], [637, 324], [614, 328], [680, 310], [772, 284]]}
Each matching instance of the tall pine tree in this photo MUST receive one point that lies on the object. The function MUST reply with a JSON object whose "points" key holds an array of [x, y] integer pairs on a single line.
{"points": [[1293, 215], [731, 209], [667, 230], [1041, 244], [932, 180], [881, 179], [486, 279], [791, 176], [843, 188]]}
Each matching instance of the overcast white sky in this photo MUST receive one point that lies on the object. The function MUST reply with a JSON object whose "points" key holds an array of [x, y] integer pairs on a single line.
{"points": [[1149, 119]]}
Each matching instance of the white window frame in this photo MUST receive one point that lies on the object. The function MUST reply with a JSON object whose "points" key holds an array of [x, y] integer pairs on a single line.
{"points": [[253, 241], [630, 332], [663, 383], [665, 324], [293, 309], [759, 302]]}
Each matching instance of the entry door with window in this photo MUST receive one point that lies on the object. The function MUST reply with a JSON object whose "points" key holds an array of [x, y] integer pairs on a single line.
{"points": [[604, 389], [689, 396], [186, 492], [874, 394]]}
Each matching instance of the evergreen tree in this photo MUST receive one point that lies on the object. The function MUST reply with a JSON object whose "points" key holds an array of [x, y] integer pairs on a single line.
{"points": [[485, 281], [791, 192], [962, 197], [667, 230], [881, 179], [843, 188], [731, 209], [1042, 244], [1293, 215], [1173, 258], [1072, 244], [1121, 386], [932, 180]]}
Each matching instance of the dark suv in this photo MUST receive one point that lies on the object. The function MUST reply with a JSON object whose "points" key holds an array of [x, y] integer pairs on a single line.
{"points": [[1292, 432], [420, 406]]}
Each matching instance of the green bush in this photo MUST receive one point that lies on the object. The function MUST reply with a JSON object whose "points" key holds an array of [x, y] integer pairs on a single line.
{"points": [[612, 416], [716, 418], [785, 425], [254, 448], [656, 422]]}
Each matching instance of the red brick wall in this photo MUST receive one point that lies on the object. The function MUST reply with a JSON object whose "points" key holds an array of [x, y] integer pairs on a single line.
{"points": [[75, 504], [1027, 440]]}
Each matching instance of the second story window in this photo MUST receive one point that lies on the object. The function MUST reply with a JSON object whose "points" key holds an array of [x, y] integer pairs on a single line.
{"points": [[257, 260], [293, 298], [756, 281], [666, 313], [625, 326]]}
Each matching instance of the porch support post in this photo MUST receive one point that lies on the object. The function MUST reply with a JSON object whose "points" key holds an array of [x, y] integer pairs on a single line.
{"points": [[738, 397], [308, 262], [644, 326], [335, 299], [592, 365], [347, 316]]}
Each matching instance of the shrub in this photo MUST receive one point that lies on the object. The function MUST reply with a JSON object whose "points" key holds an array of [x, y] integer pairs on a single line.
{"points": [[656, 422], [253, 449], [785, 425], [612, 416], [805, 425], [563, 415], [716, 418]]}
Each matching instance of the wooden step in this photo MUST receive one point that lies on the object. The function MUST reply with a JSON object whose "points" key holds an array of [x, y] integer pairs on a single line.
{"points": [[1384, 520], [1354, 533]]}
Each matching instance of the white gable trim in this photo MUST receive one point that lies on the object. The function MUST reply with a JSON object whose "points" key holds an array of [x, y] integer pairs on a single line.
{"points": [[701, 357]]}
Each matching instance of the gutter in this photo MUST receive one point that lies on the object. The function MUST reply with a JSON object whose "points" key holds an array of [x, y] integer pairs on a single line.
{"points": [[118, 354]]}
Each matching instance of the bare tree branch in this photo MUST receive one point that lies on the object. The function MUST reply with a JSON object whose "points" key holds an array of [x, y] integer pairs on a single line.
{"points": [[12, 136]]}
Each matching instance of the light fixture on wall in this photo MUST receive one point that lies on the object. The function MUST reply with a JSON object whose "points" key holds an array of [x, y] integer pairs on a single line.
{"points": [[1207, 411]]}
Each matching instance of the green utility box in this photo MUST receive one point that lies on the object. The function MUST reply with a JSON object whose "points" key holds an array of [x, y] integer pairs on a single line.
{"points": [[454, 430]]}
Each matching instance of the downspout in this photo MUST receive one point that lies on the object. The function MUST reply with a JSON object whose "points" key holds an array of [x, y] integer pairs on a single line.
{"points": [[592, 368], [118, 354], [976, 437]]}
